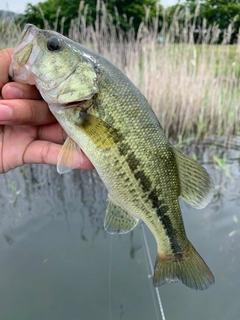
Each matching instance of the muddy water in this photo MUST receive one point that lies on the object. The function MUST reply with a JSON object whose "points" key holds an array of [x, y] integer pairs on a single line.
{"points": [[57, 262]]}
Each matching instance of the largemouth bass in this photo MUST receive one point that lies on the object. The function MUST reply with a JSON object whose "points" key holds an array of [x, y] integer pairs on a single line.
{"points": [[108, 118]]}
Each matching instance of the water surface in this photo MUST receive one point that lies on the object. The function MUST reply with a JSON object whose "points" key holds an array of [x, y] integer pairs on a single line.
{"points": [[57, 262]]}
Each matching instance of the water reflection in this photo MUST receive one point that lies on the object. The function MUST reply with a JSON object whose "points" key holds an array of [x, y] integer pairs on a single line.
{"points": [[35, 190], [55, 256]]}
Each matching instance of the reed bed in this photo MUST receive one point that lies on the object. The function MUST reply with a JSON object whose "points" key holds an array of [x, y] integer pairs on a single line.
{"points": [[191, 81], [9, 32]]}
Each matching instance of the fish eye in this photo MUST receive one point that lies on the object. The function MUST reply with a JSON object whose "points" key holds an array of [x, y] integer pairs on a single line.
{"points": [[53, 44]]}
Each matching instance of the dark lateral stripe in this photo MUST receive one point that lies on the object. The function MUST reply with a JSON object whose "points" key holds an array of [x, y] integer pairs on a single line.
{"points": [[162, 210], [145, 182], [124, 149], [146, 185], [132, 161]]}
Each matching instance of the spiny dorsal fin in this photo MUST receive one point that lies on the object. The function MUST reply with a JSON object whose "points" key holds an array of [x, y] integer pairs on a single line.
{"points": [[196, 185], [117, 220], [70, 156]]}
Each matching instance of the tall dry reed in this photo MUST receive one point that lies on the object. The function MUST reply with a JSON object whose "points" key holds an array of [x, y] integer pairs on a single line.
{"points": [[191, 82], [9, 31]]}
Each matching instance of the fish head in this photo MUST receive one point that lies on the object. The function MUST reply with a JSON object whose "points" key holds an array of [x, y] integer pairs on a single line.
{"points": [[62, 72]]}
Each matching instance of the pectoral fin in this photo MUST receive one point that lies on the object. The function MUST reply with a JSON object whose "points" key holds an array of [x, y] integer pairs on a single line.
{"points": [[102, 134], [196, 185], [70, 156], [117, 220]]}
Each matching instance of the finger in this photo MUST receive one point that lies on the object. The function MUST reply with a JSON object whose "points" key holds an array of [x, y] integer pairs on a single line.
{"points": [[14, 90], [25, 112], [52, 132], [5, 61], [47, 153]]}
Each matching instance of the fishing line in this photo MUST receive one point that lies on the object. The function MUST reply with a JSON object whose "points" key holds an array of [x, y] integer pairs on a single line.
{"points": [[151, 268], [109, 278]]}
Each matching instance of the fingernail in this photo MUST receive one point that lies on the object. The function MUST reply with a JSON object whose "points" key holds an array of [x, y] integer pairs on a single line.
{"points": [[13, 93], [5, 113]]}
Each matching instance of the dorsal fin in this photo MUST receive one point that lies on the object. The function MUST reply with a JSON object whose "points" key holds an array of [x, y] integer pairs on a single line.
{"points": [[117, 220], [196, 185]]}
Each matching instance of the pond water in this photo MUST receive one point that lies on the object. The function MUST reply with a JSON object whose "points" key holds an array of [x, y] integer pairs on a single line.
{"points": [[57, 262]]}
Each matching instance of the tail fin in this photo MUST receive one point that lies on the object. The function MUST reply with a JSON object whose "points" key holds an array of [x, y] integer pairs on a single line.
{"points": [[188, 267]]}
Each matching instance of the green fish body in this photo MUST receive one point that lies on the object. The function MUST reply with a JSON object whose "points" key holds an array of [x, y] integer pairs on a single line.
{"points": [[109, 119]]}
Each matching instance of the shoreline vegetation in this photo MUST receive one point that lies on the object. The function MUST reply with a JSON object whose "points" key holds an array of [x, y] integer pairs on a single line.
{"points": [[191, 81]]}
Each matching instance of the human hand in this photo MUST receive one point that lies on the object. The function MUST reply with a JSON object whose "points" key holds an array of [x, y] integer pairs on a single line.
{"points": [[29, 133]]}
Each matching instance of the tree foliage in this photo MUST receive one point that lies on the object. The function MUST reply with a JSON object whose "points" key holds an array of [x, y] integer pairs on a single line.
{"points": [[130, 12], [222, 12], [215, 12]]}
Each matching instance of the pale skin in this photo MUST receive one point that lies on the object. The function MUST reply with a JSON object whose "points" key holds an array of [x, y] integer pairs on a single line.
{"points": [[29, 133]]}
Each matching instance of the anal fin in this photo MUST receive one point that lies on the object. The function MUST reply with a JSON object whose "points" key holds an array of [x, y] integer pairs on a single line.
{"points": [[117, 220]]}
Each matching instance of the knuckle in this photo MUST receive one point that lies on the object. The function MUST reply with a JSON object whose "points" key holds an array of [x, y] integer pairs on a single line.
{"points": [[33, 113], [25, 112], [45, 152]]}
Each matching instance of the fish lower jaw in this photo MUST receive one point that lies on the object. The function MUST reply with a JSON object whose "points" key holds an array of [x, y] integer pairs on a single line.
{"points": [[21, 74]]}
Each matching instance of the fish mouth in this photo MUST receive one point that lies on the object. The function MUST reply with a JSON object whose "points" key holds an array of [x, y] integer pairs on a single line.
{"points": [[25, 44], [25, 52], [21, 57]]}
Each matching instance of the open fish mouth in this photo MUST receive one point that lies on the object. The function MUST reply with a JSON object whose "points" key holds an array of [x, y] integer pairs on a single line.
{"points": [[24, 46], [24, 55]]}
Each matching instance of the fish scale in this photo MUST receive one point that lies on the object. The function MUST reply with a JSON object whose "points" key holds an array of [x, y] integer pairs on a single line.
{"points": [[108, 118]]}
